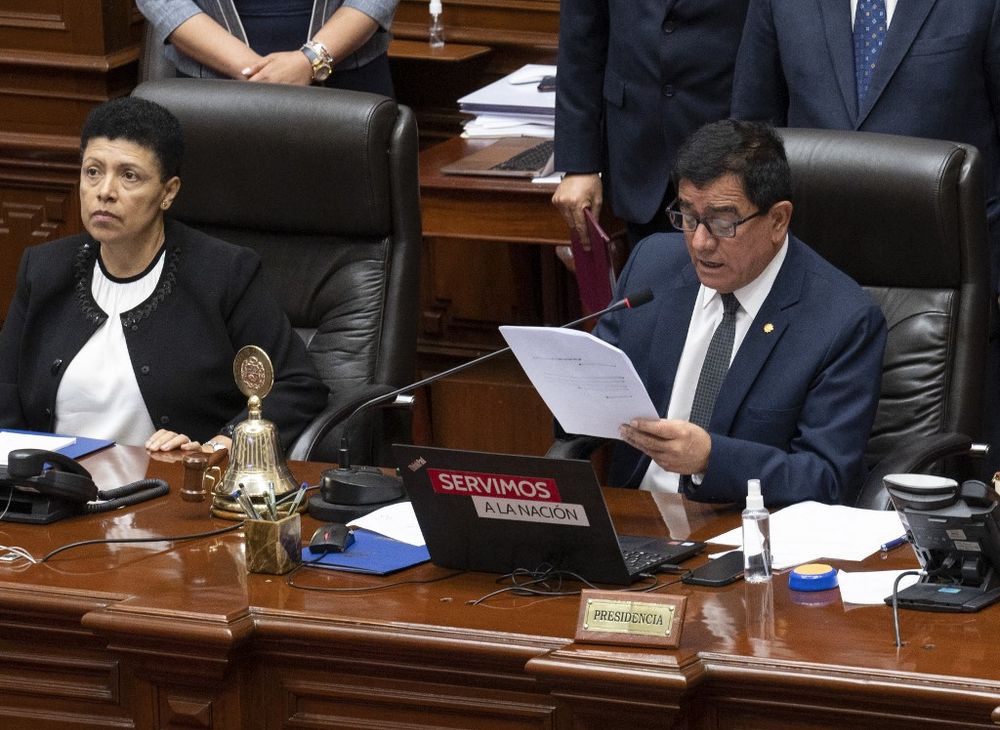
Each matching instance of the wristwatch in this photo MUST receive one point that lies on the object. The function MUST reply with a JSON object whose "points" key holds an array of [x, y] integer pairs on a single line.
{"points": [[320, 58]]}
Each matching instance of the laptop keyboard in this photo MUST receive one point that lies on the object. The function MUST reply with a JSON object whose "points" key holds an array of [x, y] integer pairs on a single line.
{"points": [[533, 158], [639, 561]]}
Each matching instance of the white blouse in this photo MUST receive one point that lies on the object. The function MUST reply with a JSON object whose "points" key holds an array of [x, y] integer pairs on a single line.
{"points": [[99, 396]]}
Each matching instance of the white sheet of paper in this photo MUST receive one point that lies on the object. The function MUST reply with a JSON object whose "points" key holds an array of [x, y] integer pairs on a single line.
{"points": [[591, 387], [870, 587], [810, 530], [396, 521], [10, 441]]}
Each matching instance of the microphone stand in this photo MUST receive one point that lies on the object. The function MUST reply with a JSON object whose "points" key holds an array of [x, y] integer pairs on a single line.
{"points": [[366, 486]]}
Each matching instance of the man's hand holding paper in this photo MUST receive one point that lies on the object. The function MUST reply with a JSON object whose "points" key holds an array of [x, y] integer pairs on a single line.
{"points": [[677, 446]]}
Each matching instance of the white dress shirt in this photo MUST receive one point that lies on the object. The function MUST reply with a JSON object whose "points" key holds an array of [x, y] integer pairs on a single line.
{"points": [[705, 319]]}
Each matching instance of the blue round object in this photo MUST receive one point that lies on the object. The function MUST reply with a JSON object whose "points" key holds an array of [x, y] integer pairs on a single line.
{"points": [[812, 577]]}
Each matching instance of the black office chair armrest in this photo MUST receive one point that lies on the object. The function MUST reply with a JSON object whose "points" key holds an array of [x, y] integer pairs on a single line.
{"points": [[575, 447], [338, 408], [911, 457]]}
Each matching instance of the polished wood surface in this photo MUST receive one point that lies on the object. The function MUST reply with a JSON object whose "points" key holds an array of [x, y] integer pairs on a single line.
{"points": [[180, 635], [423, 51]]}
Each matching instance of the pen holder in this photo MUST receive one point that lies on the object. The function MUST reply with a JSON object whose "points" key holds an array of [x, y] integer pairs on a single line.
{"points": [[273, 547]]}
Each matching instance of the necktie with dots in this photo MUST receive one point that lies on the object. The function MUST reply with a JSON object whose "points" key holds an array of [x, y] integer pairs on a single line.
{"points": [[869, 37]]}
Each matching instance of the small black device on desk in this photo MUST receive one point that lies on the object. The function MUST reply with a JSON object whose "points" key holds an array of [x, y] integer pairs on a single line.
{"points": [[548, 83], [334, 537], [719, 572]]}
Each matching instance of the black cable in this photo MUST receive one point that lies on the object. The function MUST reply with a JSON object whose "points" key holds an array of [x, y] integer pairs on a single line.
{"points": [[359, 589], [167, 538], [895, 604], [540, 578], [288, 496], [127, 495], [683, 574]]}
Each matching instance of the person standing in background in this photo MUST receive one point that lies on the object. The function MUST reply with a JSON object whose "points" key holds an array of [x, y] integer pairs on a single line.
{"points": [[635, 79], [921, 68], [341, 44]]}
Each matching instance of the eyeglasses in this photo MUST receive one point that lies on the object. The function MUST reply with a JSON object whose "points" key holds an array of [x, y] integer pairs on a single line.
{"points": [[720, 227]]}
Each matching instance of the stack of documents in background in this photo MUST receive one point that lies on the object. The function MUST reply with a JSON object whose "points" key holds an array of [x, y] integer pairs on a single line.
{"points": [[512, 106]]}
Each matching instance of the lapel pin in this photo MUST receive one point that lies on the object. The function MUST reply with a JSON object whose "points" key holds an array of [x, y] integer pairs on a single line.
{"points": [[768, 328]]}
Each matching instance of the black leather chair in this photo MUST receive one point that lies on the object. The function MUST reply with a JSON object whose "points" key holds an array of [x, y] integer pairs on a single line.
{"points": [[905, 218], [323, 184]]}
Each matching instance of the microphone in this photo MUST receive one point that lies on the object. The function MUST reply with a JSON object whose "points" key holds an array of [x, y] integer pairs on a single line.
{"points": [[369, 486]]}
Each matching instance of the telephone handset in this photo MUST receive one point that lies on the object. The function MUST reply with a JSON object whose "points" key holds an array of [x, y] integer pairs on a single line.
{"points": [[51, 473], [45, 486]]}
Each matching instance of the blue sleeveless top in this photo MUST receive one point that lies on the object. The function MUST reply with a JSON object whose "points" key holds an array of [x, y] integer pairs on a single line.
{"points": [[275, 25]]}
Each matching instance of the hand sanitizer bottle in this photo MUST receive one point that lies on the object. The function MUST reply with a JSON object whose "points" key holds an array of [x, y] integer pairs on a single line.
{"points": [[756, 536], [436, 29]]}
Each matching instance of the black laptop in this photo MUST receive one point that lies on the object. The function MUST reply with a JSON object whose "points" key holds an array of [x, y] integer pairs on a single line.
{"points": [[500, 512]]}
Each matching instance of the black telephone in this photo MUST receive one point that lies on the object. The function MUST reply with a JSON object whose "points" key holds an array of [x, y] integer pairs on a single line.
{"points": [[44, 486], [52, 474]]}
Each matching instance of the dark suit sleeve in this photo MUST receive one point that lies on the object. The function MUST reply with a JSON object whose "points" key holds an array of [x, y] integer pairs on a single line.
{"points": [[10, 350], [256, 319], [831, 428], [583, 48], [759, 88]]}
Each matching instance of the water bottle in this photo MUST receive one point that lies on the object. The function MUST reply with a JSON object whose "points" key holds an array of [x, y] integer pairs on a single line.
{"points": [[756, 536], [436, 29]]}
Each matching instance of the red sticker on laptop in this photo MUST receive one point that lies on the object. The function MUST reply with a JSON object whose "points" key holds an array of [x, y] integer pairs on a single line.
{"points": [[481, 484]]}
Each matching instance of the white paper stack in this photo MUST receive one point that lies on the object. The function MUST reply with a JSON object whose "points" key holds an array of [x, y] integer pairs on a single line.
{"points": [[512, 106]]}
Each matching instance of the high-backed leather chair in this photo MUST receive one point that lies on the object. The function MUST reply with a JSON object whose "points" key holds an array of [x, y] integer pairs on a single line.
{"points": [[323, 184], [905, 218]]}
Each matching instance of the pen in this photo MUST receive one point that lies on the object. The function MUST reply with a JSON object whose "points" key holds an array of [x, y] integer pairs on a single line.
{"points": [[298, 498], [271, 500], [886, 546]]}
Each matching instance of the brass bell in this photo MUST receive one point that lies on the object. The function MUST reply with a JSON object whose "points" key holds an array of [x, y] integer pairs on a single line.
{"points": [[256, 464]]}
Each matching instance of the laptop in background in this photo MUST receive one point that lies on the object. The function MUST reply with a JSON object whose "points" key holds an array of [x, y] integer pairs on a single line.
{"points": [[500, 512], [524, 157]]}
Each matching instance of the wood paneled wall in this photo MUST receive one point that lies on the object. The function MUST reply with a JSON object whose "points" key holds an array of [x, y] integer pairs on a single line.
{"points": [[58, 58]]}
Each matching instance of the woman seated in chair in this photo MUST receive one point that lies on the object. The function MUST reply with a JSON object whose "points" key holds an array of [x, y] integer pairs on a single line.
{"points": [[128, 331]]}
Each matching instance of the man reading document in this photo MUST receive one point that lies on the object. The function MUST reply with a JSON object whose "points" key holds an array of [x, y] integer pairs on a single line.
{"points": [[764, 359]]}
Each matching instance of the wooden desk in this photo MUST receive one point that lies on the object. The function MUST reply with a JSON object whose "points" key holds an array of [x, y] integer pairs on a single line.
{"points": [[165, 636]]}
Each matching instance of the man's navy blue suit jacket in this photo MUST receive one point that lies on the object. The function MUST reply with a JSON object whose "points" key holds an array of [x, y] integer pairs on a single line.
{"points": [[798, 402], [938, 76]]}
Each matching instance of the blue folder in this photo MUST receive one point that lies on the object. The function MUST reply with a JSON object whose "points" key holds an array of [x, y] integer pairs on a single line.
{"points": [[370, 553], [81, 447]]}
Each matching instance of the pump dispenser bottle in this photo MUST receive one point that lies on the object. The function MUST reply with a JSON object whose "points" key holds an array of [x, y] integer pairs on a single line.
{"points": [[756, 536], [436, 28]]}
